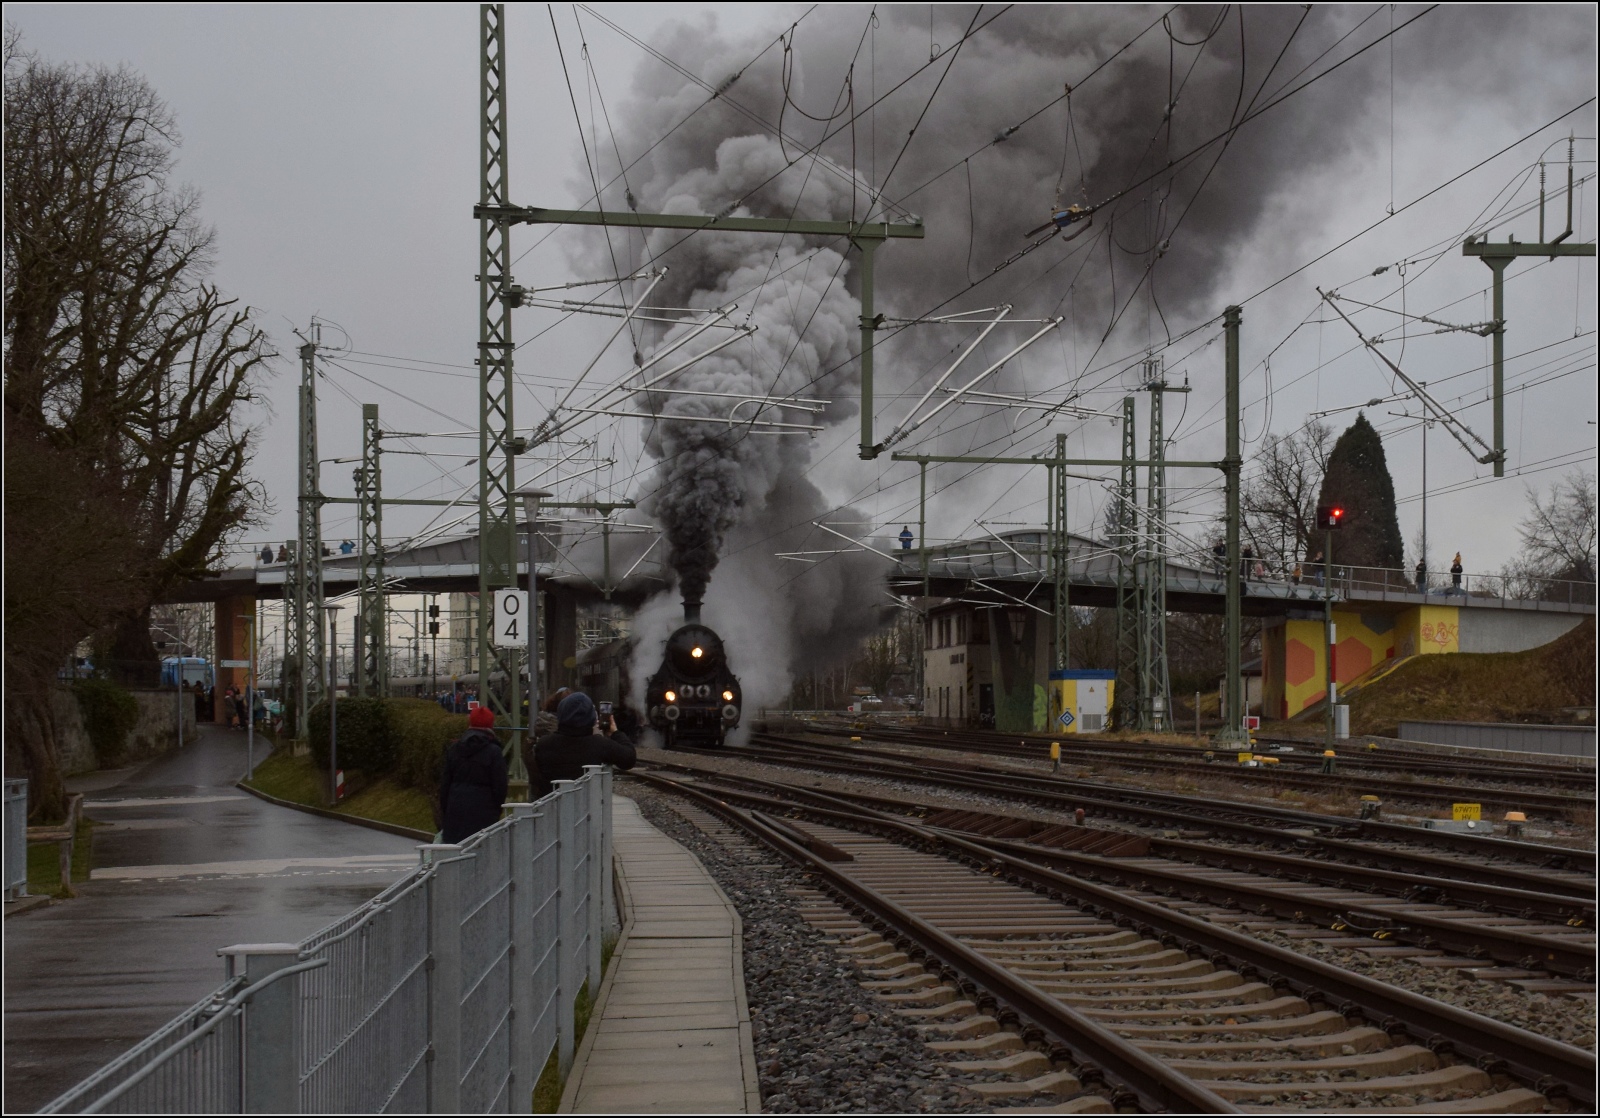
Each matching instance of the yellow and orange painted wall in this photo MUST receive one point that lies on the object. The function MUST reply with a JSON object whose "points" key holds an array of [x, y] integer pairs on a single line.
{"points": [[1293, 661]]}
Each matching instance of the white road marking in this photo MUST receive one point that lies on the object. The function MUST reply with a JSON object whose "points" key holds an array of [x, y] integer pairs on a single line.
{"points": [[163, 801], [258, 867]]}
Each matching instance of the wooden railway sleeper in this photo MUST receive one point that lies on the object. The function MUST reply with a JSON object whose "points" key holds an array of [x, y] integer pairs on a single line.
{"points": [[1016, 870]]}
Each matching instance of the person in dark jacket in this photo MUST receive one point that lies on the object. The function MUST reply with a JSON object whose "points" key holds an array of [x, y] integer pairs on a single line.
{"points": [[472, 788], [577, 742]]}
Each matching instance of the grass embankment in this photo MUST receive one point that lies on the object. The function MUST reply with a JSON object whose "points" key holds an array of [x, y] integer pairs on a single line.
{"points": [[298, 780], [44, 862], [1531, 686], [547, 1092]]}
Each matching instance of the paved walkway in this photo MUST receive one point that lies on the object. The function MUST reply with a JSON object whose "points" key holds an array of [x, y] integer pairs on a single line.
{"points": [[671, 1030], [183, 863]]}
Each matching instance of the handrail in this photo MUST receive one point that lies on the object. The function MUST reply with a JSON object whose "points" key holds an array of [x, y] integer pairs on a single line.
{"points": [[433, 924], [230, 1008]]}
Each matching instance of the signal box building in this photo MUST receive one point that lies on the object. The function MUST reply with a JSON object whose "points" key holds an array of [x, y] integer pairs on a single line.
{"points": [[986, 666]]}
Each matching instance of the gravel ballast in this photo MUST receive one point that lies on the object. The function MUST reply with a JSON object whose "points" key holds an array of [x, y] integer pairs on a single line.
{"points": [[1569, 1020], [823, 1045]]}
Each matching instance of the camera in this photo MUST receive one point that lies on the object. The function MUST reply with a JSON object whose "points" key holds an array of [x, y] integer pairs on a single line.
{"points": [[605, 709]]}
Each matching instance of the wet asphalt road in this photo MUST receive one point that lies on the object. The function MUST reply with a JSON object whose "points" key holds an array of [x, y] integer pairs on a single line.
{"points": [[184, 863]]}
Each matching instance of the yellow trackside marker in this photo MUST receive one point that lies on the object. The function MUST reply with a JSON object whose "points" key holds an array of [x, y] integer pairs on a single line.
{"points": [[1055, 751], [1458, 812], [1243, 757]]}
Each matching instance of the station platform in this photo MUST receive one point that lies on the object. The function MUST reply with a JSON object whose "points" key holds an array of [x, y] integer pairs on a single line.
{"points": [[670, 1033]]}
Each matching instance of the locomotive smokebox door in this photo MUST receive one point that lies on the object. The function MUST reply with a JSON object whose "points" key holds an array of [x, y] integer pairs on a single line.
{"points": [[694, 699]]}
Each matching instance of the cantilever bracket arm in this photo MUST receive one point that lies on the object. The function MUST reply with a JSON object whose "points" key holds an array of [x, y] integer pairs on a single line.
{"points": [[534, 215], [1508, 249], [864, 235], [1458, 430], [912, 422]]}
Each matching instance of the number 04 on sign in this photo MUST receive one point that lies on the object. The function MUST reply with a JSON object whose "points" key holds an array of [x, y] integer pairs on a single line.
{"points": [[511, 619]]}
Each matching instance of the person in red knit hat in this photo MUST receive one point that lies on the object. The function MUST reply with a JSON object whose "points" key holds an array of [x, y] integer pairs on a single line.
{"points": [[472, 787]]}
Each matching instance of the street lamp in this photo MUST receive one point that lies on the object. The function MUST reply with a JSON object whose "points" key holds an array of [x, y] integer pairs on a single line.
{"points": [[177, 667], [332, 613], [530, 496], [250, 699]]}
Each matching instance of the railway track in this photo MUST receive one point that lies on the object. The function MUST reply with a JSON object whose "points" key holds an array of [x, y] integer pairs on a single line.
{"points": [[1119, 999], [1359, 841], [1536, 934], [1303, 753], [1183, 759]]}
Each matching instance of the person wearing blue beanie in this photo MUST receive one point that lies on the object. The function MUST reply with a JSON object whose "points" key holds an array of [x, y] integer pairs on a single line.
{"points": [[578, 741]]}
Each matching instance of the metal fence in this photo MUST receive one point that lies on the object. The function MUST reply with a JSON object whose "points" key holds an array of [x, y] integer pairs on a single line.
{"points": [[446, 993], [16, 839], [1025, 556], [1511, 737]]}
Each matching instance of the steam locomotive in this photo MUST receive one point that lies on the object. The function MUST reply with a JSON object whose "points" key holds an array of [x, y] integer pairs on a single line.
{"points": [[693, 699]]}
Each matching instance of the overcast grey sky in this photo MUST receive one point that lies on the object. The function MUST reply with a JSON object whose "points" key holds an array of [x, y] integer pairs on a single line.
{"points": [[336, 150]]}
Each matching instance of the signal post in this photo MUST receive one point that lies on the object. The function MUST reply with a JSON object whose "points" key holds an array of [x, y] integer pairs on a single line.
{"points": [[1328, 519]]}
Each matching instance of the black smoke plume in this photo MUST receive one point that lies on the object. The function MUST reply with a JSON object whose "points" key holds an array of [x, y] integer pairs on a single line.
{"points": [[1045, 106]]}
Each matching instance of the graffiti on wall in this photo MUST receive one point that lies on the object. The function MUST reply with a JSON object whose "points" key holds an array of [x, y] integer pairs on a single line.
{"points": [[1440, 633]]}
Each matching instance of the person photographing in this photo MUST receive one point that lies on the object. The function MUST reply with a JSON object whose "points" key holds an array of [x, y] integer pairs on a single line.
{"points": [[579, 739]]}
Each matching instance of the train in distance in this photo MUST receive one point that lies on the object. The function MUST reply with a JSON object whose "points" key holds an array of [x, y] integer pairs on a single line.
{"points": [[693, 698]]}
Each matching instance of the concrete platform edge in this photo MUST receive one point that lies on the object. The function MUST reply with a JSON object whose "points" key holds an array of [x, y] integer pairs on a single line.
{"points": [[747, 1040], [359, 821]]}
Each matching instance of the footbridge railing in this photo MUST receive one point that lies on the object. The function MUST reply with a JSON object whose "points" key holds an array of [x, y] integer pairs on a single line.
{"points": [[446, 993]]}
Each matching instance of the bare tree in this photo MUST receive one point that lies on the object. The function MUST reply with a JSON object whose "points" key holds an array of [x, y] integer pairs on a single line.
{"points": [[1558, 541], [67, 534], [1279, 501], [121, 361], [1093, 639]]}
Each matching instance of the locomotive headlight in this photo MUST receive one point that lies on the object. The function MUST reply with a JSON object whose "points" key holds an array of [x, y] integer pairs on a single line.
{"points": [[672, 696], [697, 652], [727, 696]]}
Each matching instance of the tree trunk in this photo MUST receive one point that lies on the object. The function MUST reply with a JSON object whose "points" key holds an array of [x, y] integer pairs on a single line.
{"points": [[30, 732], [133, 658]]}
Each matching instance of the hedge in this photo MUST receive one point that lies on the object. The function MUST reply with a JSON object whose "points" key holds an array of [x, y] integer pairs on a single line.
{"points": [[422, 730], [109, 716], [366, 738], [400, 738]]}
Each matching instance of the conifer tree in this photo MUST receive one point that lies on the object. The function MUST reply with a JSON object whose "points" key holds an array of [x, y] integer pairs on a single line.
{"points": [[1358, 480]]}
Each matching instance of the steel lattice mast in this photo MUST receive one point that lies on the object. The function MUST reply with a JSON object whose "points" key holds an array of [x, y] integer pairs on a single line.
{"points": [[305, 629], [499, 675], [1057, 516], [1155, 691], [372, 661], [1125, 539]]}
